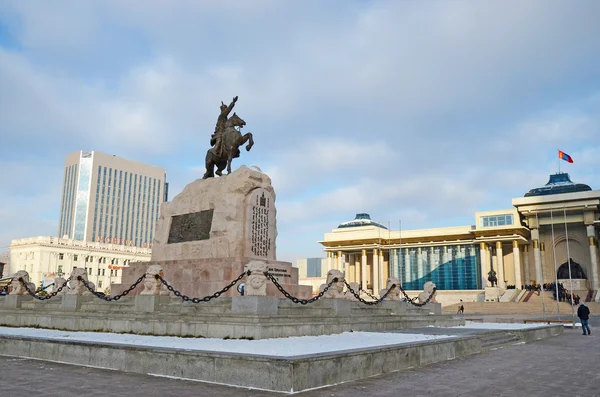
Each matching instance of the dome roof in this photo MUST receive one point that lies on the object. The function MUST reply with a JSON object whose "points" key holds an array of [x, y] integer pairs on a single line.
{"points": [[361, 220], [559, 183]]}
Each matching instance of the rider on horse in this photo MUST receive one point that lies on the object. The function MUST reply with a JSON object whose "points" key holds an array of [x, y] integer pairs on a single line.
{"points": [[217, 137]]}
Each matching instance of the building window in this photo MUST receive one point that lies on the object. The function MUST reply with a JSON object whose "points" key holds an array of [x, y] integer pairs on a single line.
{"points": [[75, 258], [89, 271], [61, 257], [100, 284], [496, 220], [103, 272]]}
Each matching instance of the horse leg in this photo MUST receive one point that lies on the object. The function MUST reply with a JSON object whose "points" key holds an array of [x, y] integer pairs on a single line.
{"points": [[209, 163], [220, 167], [229, 158], [248, 137]]}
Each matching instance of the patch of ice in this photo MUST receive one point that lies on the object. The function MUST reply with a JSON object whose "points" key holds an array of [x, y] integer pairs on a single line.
{"points": [[293, 346]]}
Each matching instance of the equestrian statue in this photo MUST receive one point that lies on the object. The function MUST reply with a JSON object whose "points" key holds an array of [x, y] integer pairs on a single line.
{"points": [[226, 141]]}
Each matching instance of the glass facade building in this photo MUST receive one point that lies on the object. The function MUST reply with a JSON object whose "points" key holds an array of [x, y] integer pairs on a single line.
{"points": [[110, 200], [450, 267]]}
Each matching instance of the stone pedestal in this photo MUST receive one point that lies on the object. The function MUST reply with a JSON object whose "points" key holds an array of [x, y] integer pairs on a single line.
{"points": [[493, 293], [211, 230], [73, 302], [149, 303], [257, 305], [15, 301], [578, 284], [339, 306]]}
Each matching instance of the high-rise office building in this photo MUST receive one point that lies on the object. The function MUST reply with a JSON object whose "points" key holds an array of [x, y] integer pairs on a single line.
{"points": [[109, 199]]}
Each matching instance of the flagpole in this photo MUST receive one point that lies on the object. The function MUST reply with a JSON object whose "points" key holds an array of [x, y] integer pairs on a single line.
{"points": [[390, 250], [537, 219], [555, 270], [569, 262], [399, 251]]}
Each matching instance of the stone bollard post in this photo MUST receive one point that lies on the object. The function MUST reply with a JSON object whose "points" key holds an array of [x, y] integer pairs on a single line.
{"points": [[18, 287], [356, 288], [395, 294], [76, 286], [255, 300], [149, 299], [427, 291], [336, 291], [59, 282]]}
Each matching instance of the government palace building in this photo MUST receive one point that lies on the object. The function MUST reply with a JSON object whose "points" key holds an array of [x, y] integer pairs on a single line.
{"points": [[528, 244]]}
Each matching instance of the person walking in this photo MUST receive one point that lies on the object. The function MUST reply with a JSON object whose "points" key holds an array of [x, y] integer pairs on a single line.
{"points": [[461, 308], [583, 312]]}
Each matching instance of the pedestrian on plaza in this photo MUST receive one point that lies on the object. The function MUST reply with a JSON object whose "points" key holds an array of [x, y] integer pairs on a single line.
{"points": [[461, 308], [583, 312]]}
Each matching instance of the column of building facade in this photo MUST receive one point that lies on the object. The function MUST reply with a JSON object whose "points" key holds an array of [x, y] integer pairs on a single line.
{"points": [[329, 261], [349, 268], [363, 270], [517, 263], [543, 260], [537, 257], [527, 279], [591, 233], [381, 270], [484, 264], [357, 268], [375, 276], [340, 261], [500, 262]]}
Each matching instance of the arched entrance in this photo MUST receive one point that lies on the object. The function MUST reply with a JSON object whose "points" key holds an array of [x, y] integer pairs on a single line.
{"points": [[576, 271]]}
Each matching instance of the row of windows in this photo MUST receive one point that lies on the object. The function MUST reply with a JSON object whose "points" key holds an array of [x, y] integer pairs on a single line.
{"points": [[68, 200], [449, 267], [115, 206], [88, 259], [496, 220]]}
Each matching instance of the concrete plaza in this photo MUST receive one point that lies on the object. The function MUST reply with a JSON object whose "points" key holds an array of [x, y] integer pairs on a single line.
{"points": [[564, 365]]}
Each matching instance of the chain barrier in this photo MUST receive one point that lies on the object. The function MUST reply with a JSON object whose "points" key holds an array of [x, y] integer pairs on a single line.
{"points": [[412, 300], [297, 300], [109, 298], [360, 289], [370, 303], [206, 298], [43, 297]]}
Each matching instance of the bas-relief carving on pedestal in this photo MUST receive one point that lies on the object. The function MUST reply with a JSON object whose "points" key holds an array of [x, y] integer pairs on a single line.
{"points": [[260, 224], [190, 227]]}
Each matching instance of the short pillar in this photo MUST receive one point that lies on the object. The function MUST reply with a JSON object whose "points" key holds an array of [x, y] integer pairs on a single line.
{"points": [[147, 303], [15, 301], [339, 306], [73, 302], [257, 305]]}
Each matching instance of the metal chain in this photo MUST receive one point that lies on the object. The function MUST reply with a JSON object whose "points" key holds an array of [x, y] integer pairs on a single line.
{"points": [[412, 300], [297, 300], [206, 298], [375, 302], [109, 298], [43, 297], [360, 289]]}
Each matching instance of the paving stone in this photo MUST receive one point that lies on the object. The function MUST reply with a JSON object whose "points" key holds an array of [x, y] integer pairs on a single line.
{"points": [[563, 366]]}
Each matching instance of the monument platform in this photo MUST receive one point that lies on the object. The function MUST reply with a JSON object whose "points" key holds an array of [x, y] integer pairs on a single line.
{"points": [[281, 365], [208, 233]]}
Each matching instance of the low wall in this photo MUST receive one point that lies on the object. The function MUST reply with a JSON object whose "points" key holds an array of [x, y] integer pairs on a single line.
{"points": [[451, 297], [281, 374]]}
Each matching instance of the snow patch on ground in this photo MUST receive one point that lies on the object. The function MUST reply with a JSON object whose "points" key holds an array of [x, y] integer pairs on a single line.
{"points": [[293, 346]]}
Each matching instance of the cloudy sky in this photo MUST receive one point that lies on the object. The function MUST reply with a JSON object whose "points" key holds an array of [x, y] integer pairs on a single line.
{"points": [[420, 111]]}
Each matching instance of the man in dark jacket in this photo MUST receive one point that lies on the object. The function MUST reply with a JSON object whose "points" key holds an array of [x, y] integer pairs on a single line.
{"points": [[583, 312]]}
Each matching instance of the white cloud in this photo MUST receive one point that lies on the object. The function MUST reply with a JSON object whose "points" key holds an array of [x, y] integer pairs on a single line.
{"points": [[421, 111]]}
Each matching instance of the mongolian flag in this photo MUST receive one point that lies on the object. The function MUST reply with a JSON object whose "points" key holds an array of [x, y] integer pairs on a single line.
{"points": [[564, 156]]}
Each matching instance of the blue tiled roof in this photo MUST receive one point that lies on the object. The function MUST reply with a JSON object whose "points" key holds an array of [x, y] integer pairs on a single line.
{"points": [[361, 220], [559, 183]]}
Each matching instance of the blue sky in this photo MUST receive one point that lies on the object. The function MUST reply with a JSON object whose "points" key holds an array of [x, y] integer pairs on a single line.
{"points": [[419, 111]]}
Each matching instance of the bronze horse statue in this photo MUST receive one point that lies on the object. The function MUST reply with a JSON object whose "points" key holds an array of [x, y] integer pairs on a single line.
{"points": [[231, 140]]}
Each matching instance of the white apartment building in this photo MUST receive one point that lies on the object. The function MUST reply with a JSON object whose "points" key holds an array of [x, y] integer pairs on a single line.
{"points": [[108, 199], [45, 258]]}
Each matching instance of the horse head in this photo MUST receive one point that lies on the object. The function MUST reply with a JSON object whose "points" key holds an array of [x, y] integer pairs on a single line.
{"points": [[235, 121]]}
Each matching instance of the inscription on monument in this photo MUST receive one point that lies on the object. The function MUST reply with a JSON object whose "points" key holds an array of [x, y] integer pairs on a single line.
{"points": [[190, 227], [260, 241]]}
